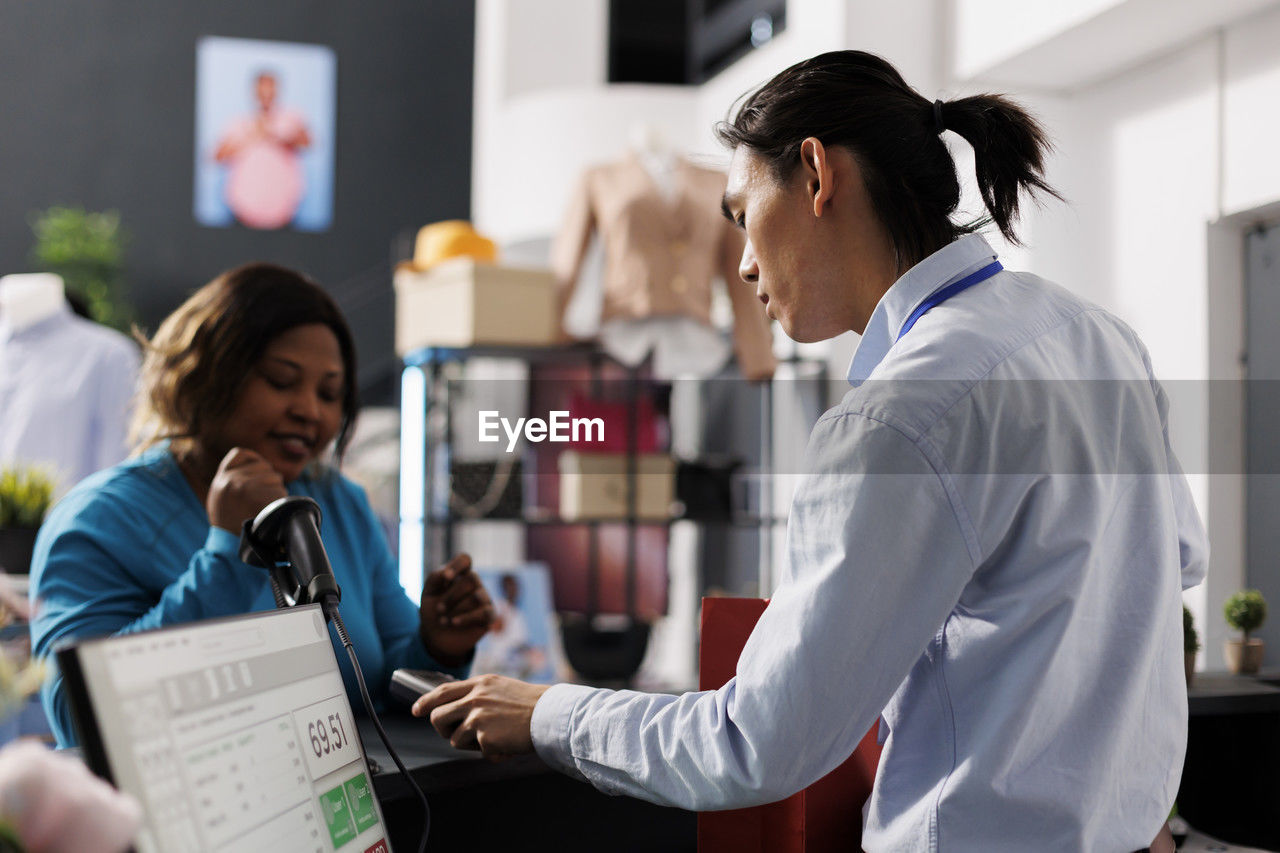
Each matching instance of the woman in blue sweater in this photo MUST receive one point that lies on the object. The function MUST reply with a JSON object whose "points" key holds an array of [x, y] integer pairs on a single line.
{"points": [[243, 388]]}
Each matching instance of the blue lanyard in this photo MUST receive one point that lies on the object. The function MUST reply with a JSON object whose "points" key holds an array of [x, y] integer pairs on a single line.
{"points": [[947, 292]]}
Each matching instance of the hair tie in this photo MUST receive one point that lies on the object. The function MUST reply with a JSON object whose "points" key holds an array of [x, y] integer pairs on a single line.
{"points": [[938, 126]]}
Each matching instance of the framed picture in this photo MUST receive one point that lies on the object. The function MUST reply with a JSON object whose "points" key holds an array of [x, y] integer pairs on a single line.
{"points": [[522, 643], [264, 134]]}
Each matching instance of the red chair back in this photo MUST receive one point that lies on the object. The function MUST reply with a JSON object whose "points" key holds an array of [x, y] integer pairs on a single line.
{"points": [[826, 816]]}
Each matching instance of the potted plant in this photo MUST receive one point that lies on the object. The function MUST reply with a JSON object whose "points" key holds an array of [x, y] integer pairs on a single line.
{"points": [[87, 250], [1190, 643], [1245, 611], [25, 495]]}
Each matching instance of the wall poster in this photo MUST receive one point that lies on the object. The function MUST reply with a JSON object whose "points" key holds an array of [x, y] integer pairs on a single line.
{"points": [[264, 134]]}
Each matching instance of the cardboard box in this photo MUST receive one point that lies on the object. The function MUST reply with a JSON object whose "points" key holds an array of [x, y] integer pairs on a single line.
{"points": [[462, 302], [594, 485]]}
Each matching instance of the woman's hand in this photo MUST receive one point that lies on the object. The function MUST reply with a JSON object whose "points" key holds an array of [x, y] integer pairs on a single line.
{"points": [[491, 713], [455, 612], [243, 485]]}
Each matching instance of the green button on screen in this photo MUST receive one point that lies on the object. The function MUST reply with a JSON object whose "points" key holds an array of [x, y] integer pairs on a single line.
{"points": [[337, 816], [360, 796]]}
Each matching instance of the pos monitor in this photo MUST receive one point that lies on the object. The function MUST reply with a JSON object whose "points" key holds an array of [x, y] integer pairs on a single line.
{"points": [[233, 734]]}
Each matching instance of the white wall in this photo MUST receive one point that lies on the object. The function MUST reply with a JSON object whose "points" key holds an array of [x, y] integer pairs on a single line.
{"points": [[1065, 46], [543, 111], [1138, 159], [1149, 158], [1250, 119], [987, 32]]}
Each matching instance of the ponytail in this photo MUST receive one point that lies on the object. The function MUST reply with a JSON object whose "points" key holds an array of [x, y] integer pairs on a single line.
{"points": [[859, 101], [1008, 152]]}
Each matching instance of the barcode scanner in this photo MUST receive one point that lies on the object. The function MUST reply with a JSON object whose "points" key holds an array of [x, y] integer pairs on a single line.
{"points": [[284, 539]]}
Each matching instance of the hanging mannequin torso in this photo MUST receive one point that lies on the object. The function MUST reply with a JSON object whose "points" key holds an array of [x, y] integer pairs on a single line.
{"points": [[658, 218], [658, 159], [680, 346]]}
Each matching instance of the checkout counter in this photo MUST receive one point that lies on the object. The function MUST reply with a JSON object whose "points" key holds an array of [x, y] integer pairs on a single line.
{"points": [[1231, 776], [517, 804]]}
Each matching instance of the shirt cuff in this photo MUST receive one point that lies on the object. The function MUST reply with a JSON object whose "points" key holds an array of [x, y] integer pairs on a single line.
{"points": [[224, 543], [549, 727]]}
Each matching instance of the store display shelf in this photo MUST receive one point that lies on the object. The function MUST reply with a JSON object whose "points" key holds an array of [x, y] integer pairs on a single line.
{"points": [[576, 352], [552, 520], [539, 520]]}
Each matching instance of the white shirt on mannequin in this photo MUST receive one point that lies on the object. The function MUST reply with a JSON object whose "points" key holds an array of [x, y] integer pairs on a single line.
{"points": [[66, 383]]}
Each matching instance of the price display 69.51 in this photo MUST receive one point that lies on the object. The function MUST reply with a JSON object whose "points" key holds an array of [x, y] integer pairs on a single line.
{"points": [[328, 735]]}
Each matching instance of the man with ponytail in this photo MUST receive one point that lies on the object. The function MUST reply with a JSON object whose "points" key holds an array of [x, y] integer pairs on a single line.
{"points": [[988, 547]]}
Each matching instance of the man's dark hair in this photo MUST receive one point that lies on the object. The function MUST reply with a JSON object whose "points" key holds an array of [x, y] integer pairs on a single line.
{"points": [[860, 102]]}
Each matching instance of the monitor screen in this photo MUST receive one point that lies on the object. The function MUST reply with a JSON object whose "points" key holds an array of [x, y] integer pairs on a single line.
{"points": [[234, 734]]}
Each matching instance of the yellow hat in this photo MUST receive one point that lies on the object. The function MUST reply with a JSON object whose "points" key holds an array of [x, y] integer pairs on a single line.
{"points": [[452, 238]]}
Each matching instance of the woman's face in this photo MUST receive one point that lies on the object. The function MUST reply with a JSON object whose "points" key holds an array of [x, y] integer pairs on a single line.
{"points": [[290, 406]]}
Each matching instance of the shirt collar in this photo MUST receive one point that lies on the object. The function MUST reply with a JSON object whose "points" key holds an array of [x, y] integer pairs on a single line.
{"points": [[945, 266], [60, 315]]}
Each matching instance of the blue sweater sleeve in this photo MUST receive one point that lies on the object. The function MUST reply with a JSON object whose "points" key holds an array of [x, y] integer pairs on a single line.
{"points": [[97, 570], [394, 614]]}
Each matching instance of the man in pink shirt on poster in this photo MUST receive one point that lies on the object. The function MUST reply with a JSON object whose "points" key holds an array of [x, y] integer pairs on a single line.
{"points": [[265, 184]]}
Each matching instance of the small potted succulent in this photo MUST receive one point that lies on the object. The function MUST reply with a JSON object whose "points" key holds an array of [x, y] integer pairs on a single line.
{"points": [[1190, 643], [25, 496], [1245, 611]]}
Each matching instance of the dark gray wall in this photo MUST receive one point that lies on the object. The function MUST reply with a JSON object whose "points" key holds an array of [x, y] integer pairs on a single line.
{"points": [[97, 101]]}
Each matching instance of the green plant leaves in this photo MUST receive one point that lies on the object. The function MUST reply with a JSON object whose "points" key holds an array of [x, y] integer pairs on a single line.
{"points": [[87, 250], [25, 495], [1190, 638], [1245, 611]]}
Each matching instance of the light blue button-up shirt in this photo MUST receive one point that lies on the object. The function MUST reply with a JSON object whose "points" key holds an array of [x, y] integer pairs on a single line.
{"points": [[987, 551]]}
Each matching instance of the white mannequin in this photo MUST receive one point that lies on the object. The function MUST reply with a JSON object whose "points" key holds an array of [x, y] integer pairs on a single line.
{"points": [[65, 382], [654, 153], [28, 298]]}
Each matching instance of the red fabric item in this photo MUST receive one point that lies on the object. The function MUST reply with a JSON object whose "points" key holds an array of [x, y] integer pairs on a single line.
{"points": [[567, 549], [826, 816], [616, 416]]}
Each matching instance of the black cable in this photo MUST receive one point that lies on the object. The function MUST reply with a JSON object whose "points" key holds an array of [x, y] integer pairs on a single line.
{"points": [[277, 593], [331, 612]]}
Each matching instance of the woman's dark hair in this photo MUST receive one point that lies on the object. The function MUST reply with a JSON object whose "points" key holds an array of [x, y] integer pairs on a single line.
{"points": [[196, 365], [860, 102]]}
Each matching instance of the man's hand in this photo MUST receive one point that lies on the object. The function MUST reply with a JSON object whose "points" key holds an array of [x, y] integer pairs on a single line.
{"points": [[455, 612], [491, 713], [243, 485]]}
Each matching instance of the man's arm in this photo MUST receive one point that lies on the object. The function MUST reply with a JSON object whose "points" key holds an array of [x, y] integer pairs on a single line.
{"points": [[877, 556]]}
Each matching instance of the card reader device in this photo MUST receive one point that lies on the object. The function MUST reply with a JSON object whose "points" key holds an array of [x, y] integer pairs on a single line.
{"points": [[408, 684]]}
